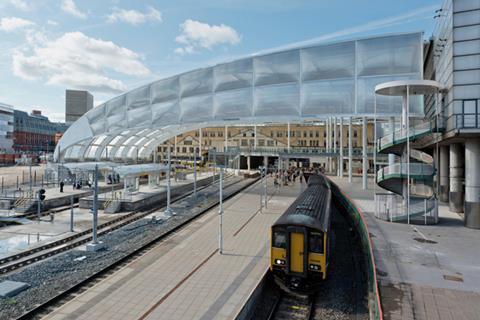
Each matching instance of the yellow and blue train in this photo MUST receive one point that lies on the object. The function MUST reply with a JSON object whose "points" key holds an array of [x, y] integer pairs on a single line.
{"points": [[300, 239]]}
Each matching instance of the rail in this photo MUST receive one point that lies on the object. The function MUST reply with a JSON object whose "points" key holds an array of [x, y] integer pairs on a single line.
{"points": [[86, 283]]}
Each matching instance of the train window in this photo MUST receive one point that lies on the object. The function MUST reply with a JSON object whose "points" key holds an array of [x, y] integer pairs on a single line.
{"points": [[316, 242], [279, 239]]}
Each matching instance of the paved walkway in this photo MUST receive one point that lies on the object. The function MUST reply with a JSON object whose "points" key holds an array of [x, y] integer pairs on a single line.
{"points": [[425, 272], [186, 277]]}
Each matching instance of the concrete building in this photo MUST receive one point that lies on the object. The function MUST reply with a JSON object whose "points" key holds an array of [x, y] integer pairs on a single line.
{"points": [[34, 133], [268, 140], [6, 128], [77, 103], [452, 57]]}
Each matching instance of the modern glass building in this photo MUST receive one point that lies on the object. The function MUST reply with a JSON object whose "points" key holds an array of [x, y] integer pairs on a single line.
{"points": [[295, 85]]}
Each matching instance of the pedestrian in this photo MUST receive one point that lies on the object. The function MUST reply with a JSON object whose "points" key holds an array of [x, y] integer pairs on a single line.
{"points": [[61, 186]]}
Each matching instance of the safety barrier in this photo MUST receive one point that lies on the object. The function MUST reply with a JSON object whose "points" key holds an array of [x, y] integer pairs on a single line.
{"points": [[374, 303], [391, 207]]}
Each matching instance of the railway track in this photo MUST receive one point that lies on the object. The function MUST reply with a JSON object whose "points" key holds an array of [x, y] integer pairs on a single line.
{"points": [[45, 308], [24, 258], [343, 295], [292, 307]]}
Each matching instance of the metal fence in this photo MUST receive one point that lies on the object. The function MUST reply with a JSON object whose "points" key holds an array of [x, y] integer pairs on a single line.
{"points": [[391, 207]]}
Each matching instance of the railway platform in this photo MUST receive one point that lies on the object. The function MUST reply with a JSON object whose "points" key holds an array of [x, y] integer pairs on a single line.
{"points": [[148, 195], [424, 271], [186, 277], [18, 237]]}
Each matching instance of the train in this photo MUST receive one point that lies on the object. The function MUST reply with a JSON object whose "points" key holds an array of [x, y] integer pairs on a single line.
{"points": [[301, 239]]}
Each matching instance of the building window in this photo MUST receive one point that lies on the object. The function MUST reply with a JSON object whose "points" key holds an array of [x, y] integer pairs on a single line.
{"points": [[244, 142], [270, 143], [355, 134], [261, 142], [470, 114]]}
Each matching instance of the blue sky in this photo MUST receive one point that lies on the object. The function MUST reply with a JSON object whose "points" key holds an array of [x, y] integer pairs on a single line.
{"points": [[110, 46]]}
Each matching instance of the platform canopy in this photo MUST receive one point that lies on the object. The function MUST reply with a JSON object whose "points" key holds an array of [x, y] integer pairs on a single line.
{"points": [[298, 84]]}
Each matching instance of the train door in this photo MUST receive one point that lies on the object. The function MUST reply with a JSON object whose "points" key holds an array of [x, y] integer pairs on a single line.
{"points": [[297, 249]]}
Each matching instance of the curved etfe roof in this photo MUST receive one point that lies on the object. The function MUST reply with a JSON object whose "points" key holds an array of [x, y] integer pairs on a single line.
{"points": [[295, 85]]}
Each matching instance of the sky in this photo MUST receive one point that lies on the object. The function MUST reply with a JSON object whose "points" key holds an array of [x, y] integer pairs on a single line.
{"points": [[108, 47]]}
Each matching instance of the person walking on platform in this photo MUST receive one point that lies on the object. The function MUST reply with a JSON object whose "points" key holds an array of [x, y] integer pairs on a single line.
{"points": [[61, 186]]}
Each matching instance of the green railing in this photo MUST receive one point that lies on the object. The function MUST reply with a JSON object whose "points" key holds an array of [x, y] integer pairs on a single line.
{"points": [[419, 171], [400, 136], [374, 303]]}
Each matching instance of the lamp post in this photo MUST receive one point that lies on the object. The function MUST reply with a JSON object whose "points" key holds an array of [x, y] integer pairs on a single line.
{"points": [[168, 210], [220, 213]]}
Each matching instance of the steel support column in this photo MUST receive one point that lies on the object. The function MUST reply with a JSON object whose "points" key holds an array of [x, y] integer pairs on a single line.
{"points": [[350, 149], [444, 175], [472, 183], [456, 194], [340, 162], [364, 154]]}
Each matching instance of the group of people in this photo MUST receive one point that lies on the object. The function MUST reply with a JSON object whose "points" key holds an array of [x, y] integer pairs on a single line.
{"points": [[291, 174], [113, 178]]}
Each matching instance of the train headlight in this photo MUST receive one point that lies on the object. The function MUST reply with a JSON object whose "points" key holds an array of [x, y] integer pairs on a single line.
{"points": [[280, 262], [315, 267]]}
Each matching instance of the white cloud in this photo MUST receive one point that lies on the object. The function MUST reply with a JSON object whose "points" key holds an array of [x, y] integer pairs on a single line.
{"points": [[196, 35], [70, 7], [78, 61], [134, 17], [21, 5], [52, 23], [13, 23]]}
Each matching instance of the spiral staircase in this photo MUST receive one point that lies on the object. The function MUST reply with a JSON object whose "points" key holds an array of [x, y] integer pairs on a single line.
{"points": [[412, 197], [423, 204]]}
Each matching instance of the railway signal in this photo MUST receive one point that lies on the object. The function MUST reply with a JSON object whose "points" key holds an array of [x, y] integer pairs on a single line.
{"points": [[41, 196]]}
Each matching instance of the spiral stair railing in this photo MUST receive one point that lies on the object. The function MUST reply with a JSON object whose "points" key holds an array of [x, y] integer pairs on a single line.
{"points": [[423, 202]]}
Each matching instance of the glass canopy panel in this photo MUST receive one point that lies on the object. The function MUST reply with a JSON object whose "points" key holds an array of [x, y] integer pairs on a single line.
{"points": [[164, 90], [138, 107], [385, 104], [119, 152], [129, 140], [233, 104], [68, 153], [141, 140], [196, 82], [90, 153], [99, 139], [115, 140], [141, 116], [233, 75], [328, 61], [390, 55], [76, 151], [275, 100], [328, 97], [277, 68], [138, 98], [132, 152], [197, 108], [116, 113], [165, 113], [96, 118], [106, 152]]}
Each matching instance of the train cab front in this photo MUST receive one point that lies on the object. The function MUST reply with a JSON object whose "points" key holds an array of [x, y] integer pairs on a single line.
{"points": [[298, 258]]}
